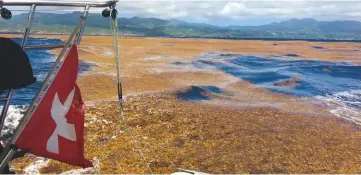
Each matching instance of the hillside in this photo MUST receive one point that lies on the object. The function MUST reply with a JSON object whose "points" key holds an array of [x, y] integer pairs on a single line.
{"points": [[97, 25]]}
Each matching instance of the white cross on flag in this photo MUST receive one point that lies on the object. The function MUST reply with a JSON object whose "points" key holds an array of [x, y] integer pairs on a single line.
{"points": [[56, 128]]}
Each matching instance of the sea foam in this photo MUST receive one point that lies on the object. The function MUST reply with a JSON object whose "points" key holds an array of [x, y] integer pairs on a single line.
{"points": [[14, 114], [346, 105]]}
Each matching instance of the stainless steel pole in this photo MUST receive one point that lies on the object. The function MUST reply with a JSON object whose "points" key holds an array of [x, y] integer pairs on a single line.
{"points": [[86, 12], [5, 109], [44, 46], [28, 26], [68, 3], [9, 152]]}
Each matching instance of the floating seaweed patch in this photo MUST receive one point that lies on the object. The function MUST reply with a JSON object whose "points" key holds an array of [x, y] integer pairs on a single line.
{"points": [[292, 82]]}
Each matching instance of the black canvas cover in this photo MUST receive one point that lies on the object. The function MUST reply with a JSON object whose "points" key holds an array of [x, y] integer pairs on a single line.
{"points": [[15, 69]]}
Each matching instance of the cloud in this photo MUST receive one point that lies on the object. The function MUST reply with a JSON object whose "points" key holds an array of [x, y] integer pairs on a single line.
{"points": [[233, 11]]}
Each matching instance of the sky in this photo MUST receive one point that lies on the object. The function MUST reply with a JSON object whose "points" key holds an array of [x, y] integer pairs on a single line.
{"points": [[243, 13]]}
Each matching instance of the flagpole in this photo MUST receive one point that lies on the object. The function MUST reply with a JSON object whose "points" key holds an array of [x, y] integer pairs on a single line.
{"points": [[10, 149]]}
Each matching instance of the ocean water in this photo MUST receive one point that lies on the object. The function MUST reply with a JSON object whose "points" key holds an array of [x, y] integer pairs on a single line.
{"points": [[312, 78], [41, 62], [338, 85]]}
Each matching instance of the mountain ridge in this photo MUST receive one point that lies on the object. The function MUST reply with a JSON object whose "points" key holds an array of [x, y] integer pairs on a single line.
{"points": [[306, 28]]}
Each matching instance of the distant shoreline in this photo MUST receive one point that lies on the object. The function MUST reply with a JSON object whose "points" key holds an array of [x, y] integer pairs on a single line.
{"points": [[222, 38], [271, 39]]}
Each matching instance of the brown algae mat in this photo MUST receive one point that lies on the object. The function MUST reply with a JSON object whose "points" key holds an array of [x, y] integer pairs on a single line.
{"points": [[173, 133], [210, 137]]}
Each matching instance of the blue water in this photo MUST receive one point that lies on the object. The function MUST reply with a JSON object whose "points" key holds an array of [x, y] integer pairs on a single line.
{"points": [[318, 47], [292, 55], [197, 93], [313, 77], [41, 62], [336, 83]]}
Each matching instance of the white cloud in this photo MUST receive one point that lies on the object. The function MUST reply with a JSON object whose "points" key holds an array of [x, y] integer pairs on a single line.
{"points": [[205, 10], [243, 9]]}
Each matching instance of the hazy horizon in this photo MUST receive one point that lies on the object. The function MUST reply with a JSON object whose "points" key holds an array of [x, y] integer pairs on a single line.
{"points": [[226, 13], [243, 22]]}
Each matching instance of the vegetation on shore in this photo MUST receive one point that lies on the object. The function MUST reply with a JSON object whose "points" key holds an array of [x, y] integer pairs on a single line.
{"points": [[97, 25]]}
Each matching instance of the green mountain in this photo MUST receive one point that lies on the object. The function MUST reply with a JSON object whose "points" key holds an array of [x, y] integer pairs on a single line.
{"points": [[97, 25]]}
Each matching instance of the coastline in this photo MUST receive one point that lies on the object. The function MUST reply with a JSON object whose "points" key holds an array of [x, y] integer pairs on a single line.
{"points": [[218, 38], [208, 137]]}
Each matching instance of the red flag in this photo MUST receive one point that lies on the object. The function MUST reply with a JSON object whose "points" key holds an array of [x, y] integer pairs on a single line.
{"points": [[56, 127]]}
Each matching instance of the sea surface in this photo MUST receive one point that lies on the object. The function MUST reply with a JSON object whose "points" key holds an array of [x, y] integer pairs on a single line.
{"points": [[337, 84], [41, 61]]}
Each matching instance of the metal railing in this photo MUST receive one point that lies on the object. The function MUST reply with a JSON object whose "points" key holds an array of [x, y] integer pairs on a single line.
{"points": [[33, 4], [75, 37], [58, 3], [44, 46]]}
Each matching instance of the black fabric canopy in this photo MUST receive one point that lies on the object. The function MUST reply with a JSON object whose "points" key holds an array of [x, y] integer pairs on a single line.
{"points": [[15, 68]]}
